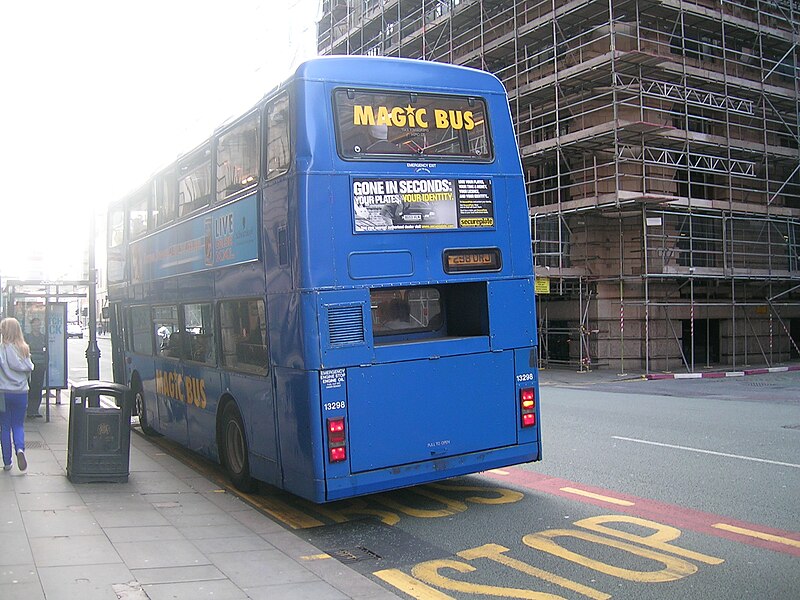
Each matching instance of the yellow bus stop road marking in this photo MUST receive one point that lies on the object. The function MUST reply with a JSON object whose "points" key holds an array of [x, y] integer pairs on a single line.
{"points": [[768, 537], [411, 586], [776, 540], [585, 494]]}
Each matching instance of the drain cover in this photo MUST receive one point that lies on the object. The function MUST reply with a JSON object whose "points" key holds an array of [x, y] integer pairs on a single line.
{"points": [[34, 444], [352, 555], [363, 543]]}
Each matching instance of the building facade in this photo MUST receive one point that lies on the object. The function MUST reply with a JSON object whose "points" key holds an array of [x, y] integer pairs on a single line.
{"points": [[660, 141]]}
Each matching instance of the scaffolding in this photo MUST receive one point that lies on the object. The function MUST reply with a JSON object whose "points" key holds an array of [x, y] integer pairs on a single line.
{"points": [[661, 146]]}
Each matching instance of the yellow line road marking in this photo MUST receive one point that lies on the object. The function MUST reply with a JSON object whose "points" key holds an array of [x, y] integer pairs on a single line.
{"points": [[600, 497], [496, 553], [498, 471], [411, 586], [322, 556], [281, 511], [758, 534], [285, 513]]}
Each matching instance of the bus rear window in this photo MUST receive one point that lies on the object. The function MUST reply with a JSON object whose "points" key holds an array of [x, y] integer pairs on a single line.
{"points": [[405, 310], [399, 125]]}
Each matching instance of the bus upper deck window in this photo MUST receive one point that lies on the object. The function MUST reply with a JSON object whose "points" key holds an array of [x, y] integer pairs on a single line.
{"points": [[391, 125], [194, 182], [138, 215], [166, 199], [116, 227], [237, 158], [277, 153]]}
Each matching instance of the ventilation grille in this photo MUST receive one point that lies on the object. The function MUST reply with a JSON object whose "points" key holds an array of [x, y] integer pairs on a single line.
{"points": [[345, 325]]}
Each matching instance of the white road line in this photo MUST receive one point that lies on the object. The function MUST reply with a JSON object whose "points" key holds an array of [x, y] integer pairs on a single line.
{"points": [[761, 460]]}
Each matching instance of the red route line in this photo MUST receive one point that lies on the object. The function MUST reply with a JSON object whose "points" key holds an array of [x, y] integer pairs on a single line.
{"points": [[670, 514]]}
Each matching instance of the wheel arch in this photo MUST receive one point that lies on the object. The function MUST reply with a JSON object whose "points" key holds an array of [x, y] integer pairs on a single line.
{"points": [[224, 400], [136, 384], [234, 456]]}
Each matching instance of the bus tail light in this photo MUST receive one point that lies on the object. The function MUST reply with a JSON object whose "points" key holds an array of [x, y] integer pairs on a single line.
{"points": [[527, 404], [337, 446]]}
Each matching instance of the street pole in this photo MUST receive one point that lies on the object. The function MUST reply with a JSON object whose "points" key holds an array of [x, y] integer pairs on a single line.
{"points": [[92, 351]]}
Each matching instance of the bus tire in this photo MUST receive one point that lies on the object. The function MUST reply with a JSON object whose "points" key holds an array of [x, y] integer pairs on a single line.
{"points": [[234, 450], [139, 409]]}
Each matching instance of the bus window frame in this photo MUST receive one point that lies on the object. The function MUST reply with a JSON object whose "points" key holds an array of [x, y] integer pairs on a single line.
{"points": [[218, 194], [130, 342], [165, 185], [116, 210], [178, 330], [189, 337], [403, 295], [221, 345], [267, 129], [191, 163], [143, 194], [411, 156]]}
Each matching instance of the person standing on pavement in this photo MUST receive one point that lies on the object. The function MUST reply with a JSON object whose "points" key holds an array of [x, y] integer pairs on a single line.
{"points": [[15, 368], [38, 345]]}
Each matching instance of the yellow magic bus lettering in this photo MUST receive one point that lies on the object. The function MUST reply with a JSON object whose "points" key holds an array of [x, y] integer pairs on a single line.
{"points": [[191, 390], [408, 116], [457, 119]]}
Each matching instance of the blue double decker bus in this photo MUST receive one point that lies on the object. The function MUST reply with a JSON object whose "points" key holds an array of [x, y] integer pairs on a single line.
{"points": [[334, 293]]}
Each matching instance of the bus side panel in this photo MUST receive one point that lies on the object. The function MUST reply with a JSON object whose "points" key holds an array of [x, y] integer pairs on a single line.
{"points": [[458, 405], [255, 399], [170, 401], [297, 407], [512, 316], [202, 389], [291, 344]]}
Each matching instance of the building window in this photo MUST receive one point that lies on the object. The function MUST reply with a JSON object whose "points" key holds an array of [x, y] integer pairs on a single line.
{"points": [[550, 241], [700, 241]]}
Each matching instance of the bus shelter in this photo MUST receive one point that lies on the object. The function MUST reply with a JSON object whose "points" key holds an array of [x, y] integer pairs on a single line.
{"points": [[28, 300]]}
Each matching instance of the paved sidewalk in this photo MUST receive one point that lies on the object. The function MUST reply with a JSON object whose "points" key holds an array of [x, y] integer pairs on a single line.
{"points": [[169, 533], [571, 376]]}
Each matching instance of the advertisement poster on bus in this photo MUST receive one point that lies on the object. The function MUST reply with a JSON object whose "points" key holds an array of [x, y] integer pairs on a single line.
{"points": [[422, 204], [223, 237]]}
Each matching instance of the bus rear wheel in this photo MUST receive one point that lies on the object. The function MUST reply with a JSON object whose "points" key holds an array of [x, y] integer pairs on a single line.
{"points": [[139, 409], [233, 449]]}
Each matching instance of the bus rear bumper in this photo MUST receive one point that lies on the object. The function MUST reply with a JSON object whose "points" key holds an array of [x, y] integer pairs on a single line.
{"points": [[381, 480]]}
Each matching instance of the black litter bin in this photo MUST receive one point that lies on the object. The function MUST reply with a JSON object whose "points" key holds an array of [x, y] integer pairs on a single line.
{"points": [[99, 442]]}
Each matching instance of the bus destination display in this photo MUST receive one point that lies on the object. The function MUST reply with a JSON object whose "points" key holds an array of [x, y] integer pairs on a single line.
{"points": [[472, 260]]}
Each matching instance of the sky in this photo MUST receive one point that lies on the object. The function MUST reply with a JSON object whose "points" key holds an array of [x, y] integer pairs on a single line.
{"points": [[96, 95]]}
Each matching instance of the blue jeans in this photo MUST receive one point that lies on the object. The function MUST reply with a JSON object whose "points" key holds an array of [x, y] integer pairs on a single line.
{"points": [[12, 421]]}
